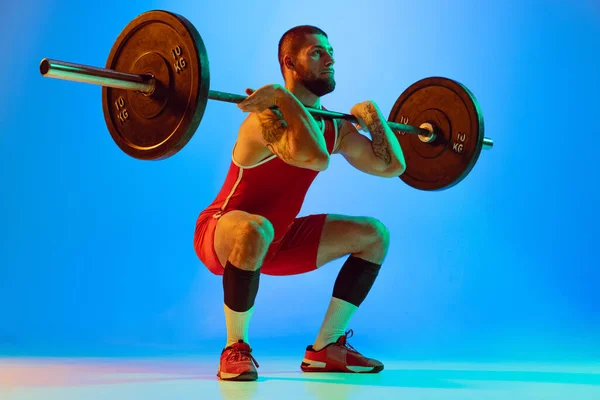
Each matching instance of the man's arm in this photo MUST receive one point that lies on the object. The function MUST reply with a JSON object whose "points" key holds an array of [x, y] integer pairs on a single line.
{"points": [[304, 138], [381, 156], [290, 132]]}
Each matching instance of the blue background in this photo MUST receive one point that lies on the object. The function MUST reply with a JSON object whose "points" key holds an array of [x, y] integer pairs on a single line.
{"points": [[96, 253]]}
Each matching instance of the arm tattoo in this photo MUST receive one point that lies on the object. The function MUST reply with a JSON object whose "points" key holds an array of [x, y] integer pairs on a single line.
{"points": [[274, 131], [380, 144]]}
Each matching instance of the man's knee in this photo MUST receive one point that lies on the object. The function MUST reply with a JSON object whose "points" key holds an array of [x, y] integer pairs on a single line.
{"points": [[255, 233], [377, 232]]}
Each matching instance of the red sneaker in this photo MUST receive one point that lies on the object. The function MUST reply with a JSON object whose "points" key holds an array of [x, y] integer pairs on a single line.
{"points": [[237, 364], [339, 357]]}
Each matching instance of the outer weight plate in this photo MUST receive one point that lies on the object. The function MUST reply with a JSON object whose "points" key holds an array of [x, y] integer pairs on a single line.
{"points": [[170, 48], [454, 111]]}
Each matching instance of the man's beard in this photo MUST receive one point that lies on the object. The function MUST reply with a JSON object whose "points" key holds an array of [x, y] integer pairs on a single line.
{"points": [[319, 86]]}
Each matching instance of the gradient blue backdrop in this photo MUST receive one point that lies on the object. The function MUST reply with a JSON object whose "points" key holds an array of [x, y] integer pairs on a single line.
{"points": [[96, 252]]}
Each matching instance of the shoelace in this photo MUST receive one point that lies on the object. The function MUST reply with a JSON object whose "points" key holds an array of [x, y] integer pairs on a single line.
{"points": [[240, 355], [345, 343]]}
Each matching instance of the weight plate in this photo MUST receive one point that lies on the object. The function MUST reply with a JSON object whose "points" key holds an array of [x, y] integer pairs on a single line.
{"points": [[455, 113], [156, 126]]}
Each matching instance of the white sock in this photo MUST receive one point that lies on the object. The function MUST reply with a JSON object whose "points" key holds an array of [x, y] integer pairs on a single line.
{"points": [[335, 323], [237, 325]]}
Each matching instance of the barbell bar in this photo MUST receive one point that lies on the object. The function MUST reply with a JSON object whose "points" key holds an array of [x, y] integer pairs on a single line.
{"points": [[146, 84]]}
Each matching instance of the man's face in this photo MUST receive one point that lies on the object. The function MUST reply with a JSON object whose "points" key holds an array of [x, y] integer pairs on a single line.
{"points": [[314, 65]]}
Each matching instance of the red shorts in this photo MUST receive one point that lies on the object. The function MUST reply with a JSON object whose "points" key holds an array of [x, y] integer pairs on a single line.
{"points": [[295, 253]]}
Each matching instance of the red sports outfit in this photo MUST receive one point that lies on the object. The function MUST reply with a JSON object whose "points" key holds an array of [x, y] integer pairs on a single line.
{"points": [[274, 190]]}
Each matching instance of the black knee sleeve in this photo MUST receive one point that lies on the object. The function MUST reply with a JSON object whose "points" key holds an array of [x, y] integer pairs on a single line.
{"points": [[355, 280], [239, 287]]}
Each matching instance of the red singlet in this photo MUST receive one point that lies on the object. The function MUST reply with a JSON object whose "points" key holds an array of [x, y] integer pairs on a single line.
{"points": [[270, 188]]}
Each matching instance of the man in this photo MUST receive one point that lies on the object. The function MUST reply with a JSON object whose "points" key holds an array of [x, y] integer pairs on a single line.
{"points": [[252, 227]]}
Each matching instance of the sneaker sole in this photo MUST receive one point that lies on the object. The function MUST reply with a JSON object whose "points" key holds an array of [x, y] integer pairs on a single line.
{"points": [[321, 367], [244, 376]]}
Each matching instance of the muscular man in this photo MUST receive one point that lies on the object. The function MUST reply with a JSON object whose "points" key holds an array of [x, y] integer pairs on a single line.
{"points": [[252, 226]]}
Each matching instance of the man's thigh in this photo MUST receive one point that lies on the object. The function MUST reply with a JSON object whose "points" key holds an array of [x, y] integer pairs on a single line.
{"points": [[316, 240], [297, 252], [343, 235]]}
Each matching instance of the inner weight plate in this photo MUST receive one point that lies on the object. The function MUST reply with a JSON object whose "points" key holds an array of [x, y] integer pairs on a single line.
{"points": [[454, 111], [169, 47]]}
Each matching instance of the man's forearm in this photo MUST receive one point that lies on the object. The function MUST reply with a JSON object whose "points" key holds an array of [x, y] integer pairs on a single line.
{"points": [[305, 137], [384, 142]]}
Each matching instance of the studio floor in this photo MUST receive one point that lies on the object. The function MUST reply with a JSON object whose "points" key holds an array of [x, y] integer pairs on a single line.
{"points": [[280, 378]]}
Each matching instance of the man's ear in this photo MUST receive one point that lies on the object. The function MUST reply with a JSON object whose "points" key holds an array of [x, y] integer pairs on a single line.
{"points": [[288, 61]]}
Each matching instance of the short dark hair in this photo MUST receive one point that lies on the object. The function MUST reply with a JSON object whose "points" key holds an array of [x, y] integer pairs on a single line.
{"points": [[293, 39]]}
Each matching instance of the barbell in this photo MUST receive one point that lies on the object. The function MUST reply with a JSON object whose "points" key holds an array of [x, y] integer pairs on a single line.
{"points": [[155, 87]]}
